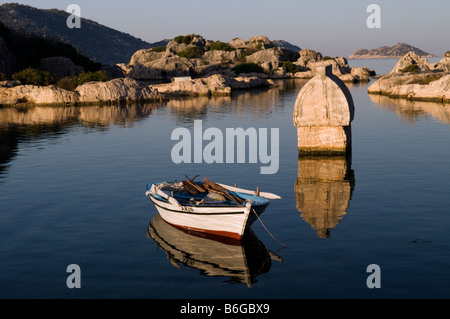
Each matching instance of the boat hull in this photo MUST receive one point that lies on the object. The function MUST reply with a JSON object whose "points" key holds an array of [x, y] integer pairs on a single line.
{"points": [[216, 220]]}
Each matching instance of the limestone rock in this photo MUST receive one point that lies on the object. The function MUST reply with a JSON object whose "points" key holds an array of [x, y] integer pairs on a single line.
{"points": [[117, 90], [411, 62], [308, 56], [213, 85], [438, 90], [37, 95], [411, 86], [145, 55], [362, 74], [268, 59], [9, 83], [238, 43], [259, 42], [444, 64], [166, 67], [222, 57]]}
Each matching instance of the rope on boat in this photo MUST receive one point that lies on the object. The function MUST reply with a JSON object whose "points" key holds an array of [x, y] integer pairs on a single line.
{"points": [[267, 229]]}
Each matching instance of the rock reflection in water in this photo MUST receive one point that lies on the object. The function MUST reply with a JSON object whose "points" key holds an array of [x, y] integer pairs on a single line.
{"points": [[323, 189], [240, 261], [412, 111], [34, 123], [103, 115]]}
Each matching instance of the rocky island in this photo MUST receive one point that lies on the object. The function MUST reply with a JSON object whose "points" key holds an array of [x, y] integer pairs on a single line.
{"points": [[389, 52], [415, 78], [188, 66]]}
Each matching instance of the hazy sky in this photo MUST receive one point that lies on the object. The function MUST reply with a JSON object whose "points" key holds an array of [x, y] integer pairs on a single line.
{"points": [[335, 28]]}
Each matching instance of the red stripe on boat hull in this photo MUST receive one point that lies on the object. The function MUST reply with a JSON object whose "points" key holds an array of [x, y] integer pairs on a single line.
{"points": [[212, 232]]}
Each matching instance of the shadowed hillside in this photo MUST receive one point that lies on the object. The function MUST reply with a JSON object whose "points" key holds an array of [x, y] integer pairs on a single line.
{"points": [[100, 43]]}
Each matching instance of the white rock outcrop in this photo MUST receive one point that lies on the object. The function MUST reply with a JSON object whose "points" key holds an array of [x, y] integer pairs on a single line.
{"points": [[216, 84], [117, 90]]}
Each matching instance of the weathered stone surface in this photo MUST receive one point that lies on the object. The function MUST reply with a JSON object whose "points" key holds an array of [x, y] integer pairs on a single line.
{"points": [[308, 56], [37, 95], [238, 43], [412, 61], [362, 74], [323, 139], [324, 101], [60, 66], [323, 112], [145, 55], [444, 64], [166, 67], [425, 86], [213, 85], [268, 59], [222, 57], [259, 42], [117, 90], [323, 190]]}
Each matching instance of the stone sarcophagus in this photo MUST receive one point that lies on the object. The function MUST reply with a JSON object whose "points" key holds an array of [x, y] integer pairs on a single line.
{"points": [[323, 112]]}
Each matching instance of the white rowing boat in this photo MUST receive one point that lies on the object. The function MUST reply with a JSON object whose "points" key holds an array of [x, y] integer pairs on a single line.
{"points": [[208, 207]]}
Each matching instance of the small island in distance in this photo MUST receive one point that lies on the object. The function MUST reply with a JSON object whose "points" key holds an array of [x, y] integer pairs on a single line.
{"points": [[386, 52]]}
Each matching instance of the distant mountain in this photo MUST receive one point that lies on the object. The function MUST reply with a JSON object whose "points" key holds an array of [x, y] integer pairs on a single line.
{"points": [[386, 52], [98, 42], [286, 45]]}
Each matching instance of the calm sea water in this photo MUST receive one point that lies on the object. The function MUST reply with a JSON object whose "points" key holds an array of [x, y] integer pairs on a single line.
{"points": [[72, 183]]}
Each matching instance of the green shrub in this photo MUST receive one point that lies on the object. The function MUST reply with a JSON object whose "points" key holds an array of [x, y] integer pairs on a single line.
{"points": [[99, 76], [191, 52], [412, 68], [326, 58], [34, 77], [187, 39], [290, 67], [248, 68], [3, 77], [218, 45], [67, 83], [425, 80], [159, 49]]}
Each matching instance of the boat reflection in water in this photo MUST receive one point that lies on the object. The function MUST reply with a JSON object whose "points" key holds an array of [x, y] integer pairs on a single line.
{"points": [[239, 260]]}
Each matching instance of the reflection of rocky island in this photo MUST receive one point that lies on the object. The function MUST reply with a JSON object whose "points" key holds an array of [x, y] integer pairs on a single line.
{"points": [[40, 122], [323, 190], [240, 261], [413, 110]]}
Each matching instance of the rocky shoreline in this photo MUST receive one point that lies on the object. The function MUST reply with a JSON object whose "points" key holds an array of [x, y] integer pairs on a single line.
{"points": [[191, 65], [124, 90], [414, 78]]}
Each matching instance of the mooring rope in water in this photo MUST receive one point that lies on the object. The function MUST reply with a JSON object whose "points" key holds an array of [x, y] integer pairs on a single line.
{"points": [[267, 229]]}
